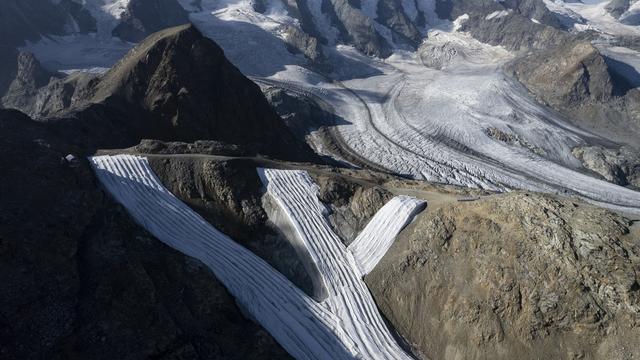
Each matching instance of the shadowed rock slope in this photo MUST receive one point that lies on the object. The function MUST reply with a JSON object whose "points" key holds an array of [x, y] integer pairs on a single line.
{"points": [[144, 17], [176, 85], [514, 276], [579, 81], [81, 280]]}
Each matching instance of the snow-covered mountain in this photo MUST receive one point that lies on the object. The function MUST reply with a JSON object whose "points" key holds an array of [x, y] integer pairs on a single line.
{"points": [[418, 86], [177, 190]]}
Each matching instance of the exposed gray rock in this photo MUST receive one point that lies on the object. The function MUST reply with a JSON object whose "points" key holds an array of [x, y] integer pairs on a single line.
{"points": [[39, 92], [631, 17], [620, 9], [619, 166], [514, 276], [514, 31], [351, 205], [577, 80], [301, 114], [533, 9], [144, 17], [22, 91], [300, 10], [404, 31], [210, 147], [228, 194], [617, 7], [300, 41], [513, 139], [356, 28], [61, 94]]}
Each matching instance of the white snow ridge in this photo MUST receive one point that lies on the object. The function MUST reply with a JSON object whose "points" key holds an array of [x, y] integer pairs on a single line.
{"points": [[346, 325]]}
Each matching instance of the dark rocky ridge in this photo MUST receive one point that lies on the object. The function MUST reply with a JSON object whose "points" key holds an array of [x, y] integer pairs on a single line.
{"points": [[515, 31], [81, 280], [356, 28], [351, 205], [176, 85], [30, 76], [228, 194], [404, 31], [621, 10], [141, 18], [617, 7], [299, 41]]}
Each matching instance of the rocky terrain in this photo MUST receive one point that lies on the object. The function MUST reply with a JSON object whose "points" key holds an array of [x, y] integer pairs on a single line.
{"points": [[578, 80], [87, 281], [618, 166], [514, 276], [161, 90], [626, 11], [347, 90]]}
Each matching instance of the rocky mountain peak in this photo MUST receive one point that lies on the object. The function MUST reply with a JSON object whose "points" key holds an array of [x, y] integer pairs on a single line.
{"points": [[176, 85], [143, 17]]}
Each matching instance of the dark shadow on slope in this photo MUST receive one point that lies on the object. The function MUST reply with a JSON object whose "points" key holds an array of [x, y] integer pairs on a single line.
{"points": [[624, 76], [229, 195], [253, 50]]}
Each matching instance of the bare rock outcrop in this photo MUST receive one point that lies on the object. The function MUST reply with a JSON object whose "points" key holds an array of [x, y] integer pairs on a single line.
{"points": [[30, 76], [299, 41], [573, 73], [141, 18], [577, 80], [350, 204], [514, 276], [619, 166], [229, 195]]}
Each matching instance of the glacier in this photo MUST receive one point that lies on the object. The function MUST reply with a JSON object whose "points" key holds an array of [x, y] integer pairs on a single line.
{"points": [[463, 123]]}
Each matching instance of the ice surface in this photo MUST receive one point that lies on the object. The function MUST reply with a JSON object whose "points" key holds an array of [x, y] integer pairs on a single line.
{"points": [[85, 51], [468, 124]]}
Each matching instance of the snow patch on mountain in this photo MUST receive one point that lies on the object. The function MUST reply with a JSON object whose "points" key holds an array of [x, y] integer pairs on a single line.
{"points": [[590, 15]]}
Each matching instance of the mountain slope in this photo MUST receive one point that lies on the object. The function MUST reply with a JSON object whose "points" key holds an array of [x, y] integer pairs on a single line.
{"points": [[176, 85], [144, 17], [514, 276], [88, 281]]}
